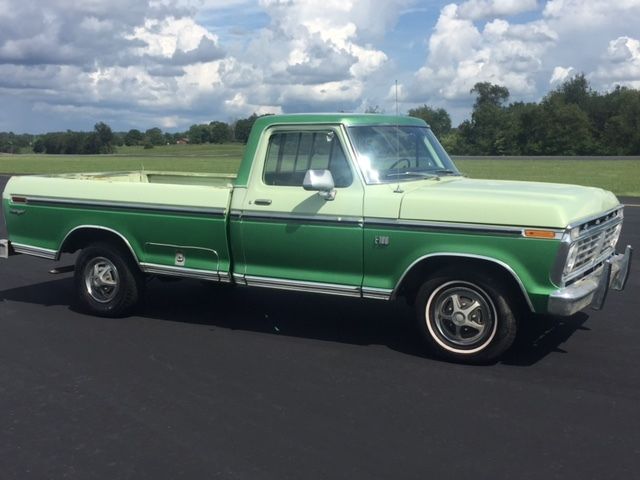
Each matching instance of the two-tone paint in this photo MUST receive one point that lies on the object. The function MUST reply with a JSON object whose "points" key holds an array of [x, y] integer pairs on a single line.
{"points": [[363, 243]]}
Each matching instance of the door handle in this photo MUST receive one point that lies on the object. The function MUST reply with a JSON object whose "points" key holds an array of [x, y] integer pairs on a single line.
{"points": [[262, 201]]}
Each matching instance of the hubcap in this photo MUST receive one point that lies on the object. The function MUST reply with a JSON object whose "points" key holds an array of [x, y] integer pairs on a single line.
{"points": [[462, 315], [101, 279]]}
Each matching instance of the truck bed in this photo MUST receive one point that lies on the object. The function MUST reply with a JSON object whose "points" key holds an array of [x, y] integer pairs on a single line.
{"points": [[170, 178], [173, 222]]}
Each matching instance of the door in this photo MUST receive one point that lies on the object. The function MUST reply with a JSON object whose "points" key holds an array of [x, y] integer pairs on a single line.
{"points": [[293, 238]]}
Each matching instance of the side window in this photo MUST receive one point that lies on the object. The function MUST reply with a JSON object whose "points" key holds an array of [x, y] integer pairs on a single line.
{"points": [[291, 154]]}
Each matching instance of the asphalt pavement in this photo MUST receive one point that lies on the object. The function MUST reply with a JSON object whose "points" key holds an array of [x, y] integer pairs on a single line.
{"points": [[206, 382]]}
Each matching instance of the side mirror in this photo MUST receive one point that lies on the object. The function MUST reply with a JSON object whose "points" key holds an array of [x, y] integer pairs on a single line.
{"points": [[320, 181]]}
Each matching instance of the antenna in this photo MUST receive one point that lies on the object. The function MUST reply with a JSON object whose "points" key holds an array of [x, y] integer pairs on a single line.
{"points": [[398, 189], [397, 98]]}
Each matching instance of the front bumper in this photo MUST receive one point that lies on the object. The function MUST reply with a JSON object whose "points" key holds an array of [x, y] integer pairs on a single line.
{"points": [[5, 248], [591, 291]]}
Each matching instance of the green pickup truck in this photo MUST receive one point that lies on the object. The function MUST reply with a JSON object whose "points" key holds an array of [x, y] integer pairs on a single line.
{"points": [[365, 206]]}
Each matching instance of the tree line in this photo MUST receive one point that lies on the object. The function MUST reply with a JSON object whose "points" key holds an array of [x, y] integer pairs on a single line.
{"points": [[572, 119], [103, 140]]}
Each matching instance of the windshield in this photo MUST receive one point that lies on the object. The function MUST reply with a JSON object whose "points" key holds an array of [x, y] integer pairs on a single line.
{"points": [[389, 153]]}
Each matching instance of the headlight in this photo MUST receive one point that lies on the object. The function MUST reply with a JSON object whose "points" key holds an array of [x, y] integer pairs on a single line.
{"points": [[571, 258]]}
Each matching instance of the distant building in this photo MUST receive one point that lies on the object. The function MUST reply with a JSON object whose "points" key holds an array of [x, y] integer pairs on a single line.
{"points": [[182, 141]]}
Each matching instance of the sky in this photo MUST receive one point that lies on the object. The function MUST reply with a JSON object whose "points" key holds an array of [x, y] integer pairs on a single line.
{"points": [[67, 64]]}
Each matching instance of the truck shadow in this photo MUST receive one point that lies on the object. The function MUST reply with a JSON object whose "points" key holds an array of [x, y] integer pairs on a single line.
{"points": [[272, 312]]}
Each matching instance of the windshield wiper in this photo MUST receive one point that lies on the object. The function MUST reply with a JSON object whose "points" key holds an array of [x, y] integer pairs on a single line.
{"points": [[445, 171], [411, 174]]}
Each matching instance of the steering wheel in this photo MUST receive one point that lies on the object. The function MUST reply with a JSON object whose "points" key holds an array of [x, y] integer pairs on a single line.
{"points": [[397, 163]]}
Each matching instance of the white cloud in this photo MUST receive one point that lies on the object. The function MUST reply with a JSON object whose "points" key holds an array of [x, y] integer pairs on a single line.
{"points": [[621, 64], [479, 9], [560, 74], [165, 37], [168, 62], [477, 41], [461, 54]]}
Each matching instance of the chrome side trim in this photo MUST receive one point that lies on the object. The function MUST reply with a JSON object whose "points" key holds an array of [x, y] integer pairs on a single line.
{"points": [[184, 247], [292, 217], [376, 293], [466, 255], [302, 286], [97, 227], [44, 201], [445, 226], [239, 279], [34, 251], [185, 272]]}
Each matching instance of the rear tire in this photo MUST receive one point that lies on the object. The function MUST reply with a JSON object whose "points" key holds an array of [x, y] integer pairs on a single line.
{"points": [[467, 318], [107, 281]]}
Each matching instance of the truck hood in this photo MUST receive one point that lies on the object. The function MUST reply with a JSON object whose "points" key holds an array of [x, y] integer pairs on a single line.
{"points": [[499, 202]]}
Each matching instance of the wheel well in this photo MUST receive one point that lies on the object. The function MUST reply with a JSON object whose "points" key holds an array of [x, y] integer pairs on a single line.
{"points": [[83, 237], [428, 267]]}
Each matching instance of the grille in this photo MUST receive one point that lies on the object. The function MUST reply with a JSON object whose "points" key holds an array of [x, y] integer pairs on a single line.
{"points": [[595, 246], [597, 241]]}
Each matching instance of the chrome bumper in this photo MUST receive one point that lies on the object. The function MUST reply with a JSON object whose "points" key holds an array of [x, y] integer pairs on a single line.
{"points": [[5, 248], [592, 290]]}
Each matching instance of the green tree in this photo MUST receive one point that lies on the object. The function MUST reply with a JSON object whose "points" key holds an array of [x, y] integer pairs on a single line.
{"points": [[133, 137], [521, 121], [485, 133], [38, 146], [437, 118], [489, 94], [564, 129], [219, 132], [453, 143], [14, 143], [574, 91], [154, 136], [104, 137], [199, 134], [621, 131], [242, 128], [118, 139]]}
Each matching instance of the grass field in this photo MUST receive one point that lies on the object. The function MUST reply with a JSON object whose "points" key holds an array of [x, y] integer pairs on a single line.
{"points": [[186, 158], [621, 175]]}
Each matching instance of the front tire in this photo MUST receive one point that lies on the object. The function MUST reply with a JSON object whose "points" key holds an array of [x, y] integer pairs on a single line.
{"points": [[108, 283], [466, 318]]}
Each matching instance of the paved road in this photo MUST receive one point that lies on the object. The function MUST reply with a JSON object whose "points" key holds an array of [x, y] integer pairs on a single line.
{"points": [[252, 384]]}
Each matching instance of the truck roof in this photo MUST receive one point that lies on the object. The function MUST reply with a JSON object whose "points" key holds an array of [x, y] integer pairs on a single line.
{"points": [[348, 119]]}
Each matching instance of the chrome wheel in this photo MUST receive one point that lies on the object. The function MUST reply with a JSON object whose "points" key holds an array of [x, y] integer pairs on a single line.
{"points": [[461, 317], [101, 279]]}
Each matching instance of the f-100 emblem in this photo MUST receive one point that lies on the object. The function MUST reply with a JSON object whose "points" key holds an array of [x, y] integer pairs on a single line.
{"points": [[381, 240]]}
